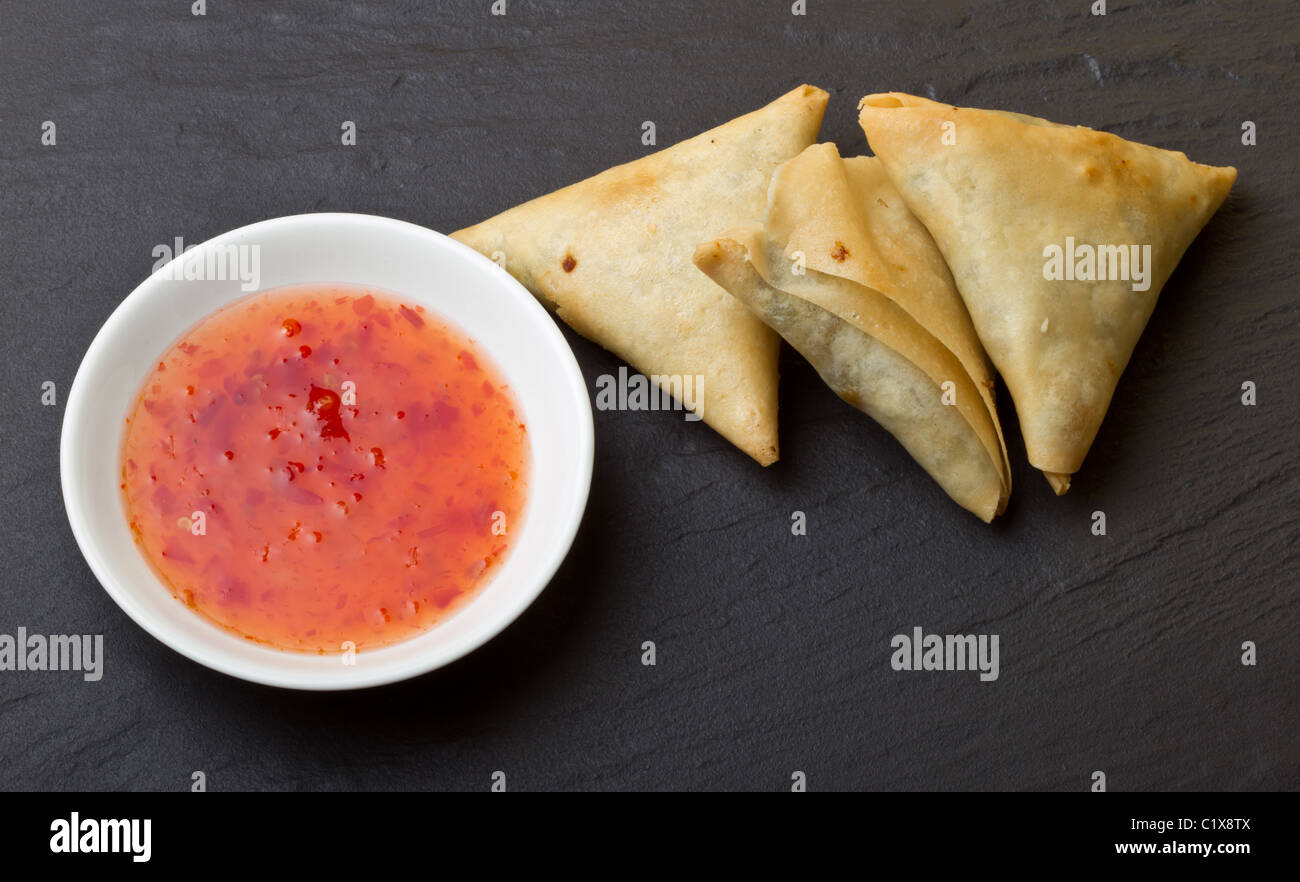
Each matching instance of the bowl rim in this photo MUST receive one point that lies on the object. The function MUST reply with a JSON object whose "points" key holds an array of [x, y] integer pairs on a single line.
{"points": [[582, 451]]}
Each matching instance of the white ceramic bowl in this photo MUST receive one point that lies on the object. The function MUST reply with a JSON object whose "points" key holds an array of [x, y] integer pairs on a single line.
{"points": [[419, 264]]}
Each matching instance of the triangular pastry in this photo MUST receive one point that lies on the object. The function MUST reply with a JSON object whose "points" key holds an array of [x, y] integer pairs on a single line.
{"points": [[612, 256], [1059, 239], [854, 282]]}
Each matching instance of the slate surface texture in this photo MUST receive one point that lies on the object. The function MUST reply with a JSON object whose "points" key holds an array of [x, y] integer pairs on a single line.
{"points": [[1119, 653]]}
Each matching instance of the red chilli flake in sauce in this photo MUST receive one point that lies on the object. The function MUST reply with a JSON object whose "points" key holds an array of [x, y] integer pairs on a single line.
{"points": [[323, 465]]}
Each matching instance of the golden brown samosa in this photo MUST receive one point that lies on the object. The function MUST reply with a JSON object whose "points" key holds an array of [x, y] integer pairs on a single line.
{"points": [[1059, 238], [852, 281], [612, 256]]}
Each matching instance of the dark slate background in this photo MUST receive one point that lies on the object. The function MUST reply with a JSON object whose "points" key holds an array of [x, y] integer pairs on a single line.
{"points": [[1119, 653]]}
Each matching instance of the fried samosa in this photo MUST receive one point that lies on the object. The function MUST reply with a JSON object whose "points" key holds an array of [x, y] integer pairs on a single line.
{"points": [[1059, 239], [611, 255], [851, 280]]}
